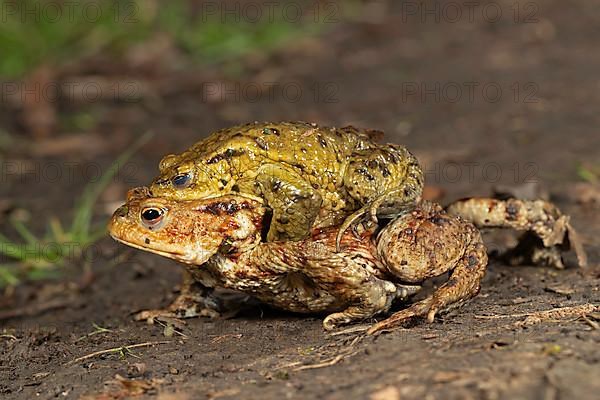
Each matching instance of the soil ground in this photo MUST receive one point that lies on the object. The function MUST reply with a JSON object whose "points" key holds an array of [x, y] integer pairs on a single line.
{"points": [[368, 72]]}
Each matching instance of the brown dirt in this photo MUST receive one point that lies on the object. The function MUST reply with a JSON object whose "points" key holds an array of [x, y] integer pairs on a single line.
{"points": [[477, 351]]}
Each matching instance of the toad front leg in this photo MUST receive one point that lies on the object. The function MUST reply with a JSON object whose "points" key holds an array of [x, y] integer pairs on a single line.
{"points": [[548, 233], [195, 299], [387, 180], [294, 202], [427, 243]]}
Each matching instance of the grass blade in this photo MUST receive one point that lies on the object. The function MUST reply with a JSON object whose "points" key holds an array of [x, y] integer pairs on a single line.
{"points": [[84, 208]]}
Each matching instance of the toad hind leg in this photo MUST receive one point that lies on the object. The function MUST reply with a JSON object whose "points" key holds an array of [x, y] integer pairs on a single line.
{"points": [[427, 243], [463, 284], [540, 220], [294, 202]]}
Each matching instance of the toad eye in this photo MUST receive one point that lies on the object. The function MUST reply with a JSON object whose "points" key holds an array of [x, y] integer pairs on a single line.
{"points": [[182, 180], [152, 217]]}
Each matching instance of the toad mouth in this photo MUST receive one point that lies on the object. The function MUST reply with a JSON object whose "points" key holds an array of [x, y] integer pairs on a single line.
{"points": [[179, 256]]}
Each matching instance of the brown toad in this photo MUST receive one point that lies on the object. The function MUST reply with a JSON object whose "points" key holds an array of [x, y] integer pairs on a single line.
{"points": [[219, 241]]}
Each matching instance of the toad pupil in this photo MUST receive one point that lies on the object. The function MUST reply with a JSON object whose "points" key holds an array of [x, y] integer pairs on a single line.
{"points": [[151, 214], [181, 181]]}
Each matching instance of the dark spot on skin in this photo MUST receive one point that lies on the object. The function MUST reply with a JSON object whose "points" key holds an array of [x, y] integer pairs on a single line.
{"points": [[372, 164], [315, 186], [403, 262], [260, 142], [472, 260], [270, 131], [451, 283], [147, 241], [297, 197], [223, 182], [302, 149], [393, 157], [322, 141], [438, 220], [220, 208], [227, 154], [365, 173], [215, 159], [385, 172], [235, 188], [512, 210], [276, 185], [226, 246], [162, 182], [349, 129]]}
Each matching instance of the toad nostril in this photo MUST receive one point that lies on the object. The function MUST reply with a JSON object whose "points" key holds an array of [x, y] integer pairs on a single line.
{"points": [[122, 211]]}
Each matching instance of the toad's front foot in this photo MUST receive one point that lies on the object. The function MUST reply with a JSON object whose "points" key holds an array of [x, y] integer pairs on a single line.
{"points": [[184, 306], [195, 300]]}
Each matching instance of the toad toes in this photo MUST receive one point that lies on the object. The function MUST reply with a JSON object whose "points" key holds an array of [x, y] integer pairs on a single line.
{"points": [[219, 241]]}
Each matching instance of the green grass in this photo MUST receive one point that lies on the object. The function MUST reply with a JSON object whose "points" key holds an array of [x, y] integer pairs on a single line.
{"points": [[589, 173], [32, 34], [39, 258], [30, 40]]}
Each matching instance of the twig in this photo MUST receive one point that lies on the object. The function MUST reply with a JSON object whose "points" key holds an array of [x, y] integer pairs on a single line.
{"points": [[560, 312], [218, 339], [591, 323], [117, 349], [329, 363], [336, 359], [349, 331], [170, 326]]}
